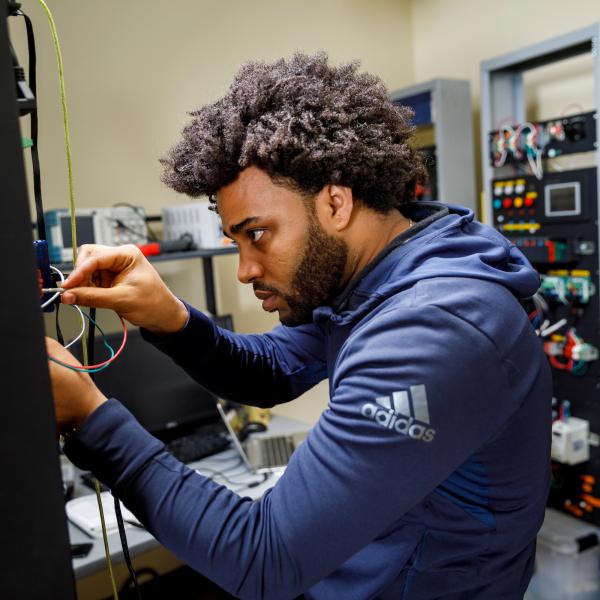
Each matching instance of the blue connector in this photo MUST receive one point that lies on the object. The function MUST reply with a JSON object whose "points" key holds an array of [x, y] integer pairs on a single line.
{"points": [[43, 264]]}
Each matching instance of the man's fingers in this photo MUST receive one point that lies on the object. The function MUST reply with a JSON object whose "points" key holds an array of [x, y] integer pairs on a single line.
{"points": [[93, 296], [98, 258]]}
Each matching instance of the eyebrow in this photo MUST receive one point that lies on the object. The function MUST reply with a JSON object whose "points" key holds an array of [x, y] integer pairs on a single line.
{"points": [[239, 226]]}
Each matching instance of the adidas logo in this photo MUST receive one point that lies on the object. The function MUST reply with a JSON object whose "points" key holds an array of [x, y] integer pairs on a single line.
{"points": [[406, 415]]}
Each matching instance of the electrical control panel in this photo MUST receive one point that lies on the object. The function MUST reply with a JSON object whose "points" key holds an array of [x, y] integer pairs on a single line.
{"points": [[541, 192], [512, 143], [552, 221]]}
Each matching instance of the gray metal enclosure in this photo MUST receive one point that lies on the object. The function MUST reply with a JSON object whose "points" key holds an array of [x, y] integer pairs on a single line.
{"points": [[452, 120], [502, 89]]}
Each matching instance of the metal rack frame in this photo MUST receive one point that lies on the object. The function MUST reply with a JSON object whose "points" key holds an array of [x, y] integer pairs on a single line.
{"points": [[446, 104], [502, 88]]}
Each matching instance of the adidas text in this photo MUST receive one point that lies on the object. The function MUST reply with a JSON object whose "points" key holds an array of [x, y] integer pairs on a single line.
{"points": [[404, 425]]}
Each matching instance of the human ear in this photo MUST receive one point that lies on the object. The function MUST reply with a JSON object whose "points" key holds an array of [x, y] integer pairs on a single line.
{"points": [[334, 206]]}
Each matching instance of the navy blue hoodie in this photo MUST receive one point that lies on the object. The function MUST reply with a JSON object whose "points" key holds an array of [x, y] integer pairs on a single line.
{"points": [[426, 476]]}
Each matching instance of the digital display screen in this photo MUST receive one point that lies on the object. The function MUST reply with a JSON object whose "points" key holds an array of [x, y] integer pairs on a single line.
{"points": [[563, 199], [85, 230]]}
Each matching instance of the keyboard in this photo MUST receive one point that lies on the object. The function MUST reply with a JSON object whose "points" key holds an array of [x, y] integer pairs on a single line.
{"points": [[277, 450], [198, 444]]}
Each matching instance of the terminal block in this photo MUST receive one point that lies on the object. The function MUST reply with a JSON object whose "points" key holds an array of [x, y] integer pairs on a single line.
{"points": [[568, 286]]}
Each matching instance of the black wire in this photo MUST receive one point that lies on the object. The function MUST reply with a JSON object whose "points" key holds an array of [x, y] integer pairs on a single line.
{"points": [[212, 473], [123, 226], [120, 524], [35, 161], [125, 547], [139, 211], [90, 339], [59, 335]]}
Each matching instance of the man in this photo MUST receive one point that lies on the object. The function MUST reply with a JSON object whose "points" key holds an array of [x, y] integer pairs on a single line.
{"points": [[427, 474]]}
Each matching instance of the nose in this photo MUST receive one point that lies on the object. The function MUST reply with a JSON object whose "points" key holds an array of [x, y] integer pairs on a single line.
{"points": [[248, 269]]}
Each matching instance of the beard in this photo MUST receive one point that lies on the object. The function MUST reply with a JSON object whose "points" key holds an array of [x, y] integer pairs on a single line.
{"points": [[318, 277]]}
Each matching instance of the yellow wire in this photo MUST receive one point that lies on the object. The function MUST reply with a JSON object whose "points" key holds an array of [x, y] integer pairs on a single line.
{"points": [[63, 99], [105, 539]]}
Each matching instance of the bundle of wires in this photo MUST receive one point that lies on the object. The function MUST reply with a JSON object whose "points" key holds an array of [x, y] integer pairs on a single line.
{"points": [[539, 317], [505, 136], [509, 142], [83, 316], [532, 151], [575, 367]]}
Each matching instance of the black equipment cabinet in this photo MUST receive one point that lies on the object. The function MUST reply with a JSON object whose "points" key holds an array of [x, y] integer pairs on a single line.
{"points": [[34, 545]]}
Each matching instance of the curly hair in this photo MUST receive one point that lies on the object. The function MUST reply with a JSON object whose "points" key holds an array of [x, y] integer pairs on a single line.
{"points": [[307, 124]]}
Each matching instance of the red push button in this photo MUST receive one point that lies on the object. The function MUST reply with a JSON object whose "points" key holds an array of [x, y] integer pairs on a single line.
{"points": [[507, 202], [529, 201]]}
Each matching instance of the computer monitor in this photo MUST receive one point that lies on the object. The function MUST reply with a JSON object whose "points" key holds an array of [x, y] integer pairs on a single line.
{"points": [[159, 393]]}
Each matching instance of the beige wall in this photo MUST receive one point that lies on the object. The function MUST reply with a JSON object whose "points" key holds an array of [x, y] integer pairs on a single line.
{"points": [[134, 67], [452, 37]]}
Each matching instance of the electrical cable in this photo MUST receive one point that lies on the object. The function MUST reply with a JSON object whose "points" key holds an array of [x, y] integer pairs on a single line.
{"points": [[100, 366], [532, 150], [105, 540], [90, 342], [80, 334], [90, 353], [555, 327], [253, 484], [35, 161], [53, 298], [59, 335], [213, 473], [137, 209], [74, 241], [125, 547], [63, 100]]}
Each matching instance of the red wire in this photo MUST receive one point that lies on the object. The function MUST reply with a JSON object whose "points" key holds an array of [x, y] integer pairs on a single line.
{"points": [[556, 363], [106, 361]]}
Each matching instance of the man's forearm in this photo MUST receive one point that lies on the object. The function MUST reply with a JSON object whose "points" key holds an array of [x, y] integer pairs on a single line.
{"points": [[242, 368]]}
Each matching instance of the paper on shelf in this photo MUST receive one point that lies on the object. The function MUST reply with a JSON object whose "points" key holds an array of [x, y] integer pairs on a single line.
{"points": [[84, 513]]}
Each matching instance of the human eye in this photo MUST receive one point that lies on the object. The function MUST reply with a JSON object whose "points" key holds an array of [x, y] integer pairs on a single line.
{"points": [[255, 234]]}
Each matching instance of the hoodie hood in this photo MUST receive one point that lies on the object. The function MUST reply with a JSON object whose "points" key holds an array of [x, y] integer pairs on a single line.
{"points": [[446, 241]]}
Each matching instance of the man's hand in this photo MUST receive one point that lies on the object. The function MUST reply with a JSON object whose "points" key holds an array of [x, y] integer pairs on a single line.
{"points": [[75, 395], [123, 280]]}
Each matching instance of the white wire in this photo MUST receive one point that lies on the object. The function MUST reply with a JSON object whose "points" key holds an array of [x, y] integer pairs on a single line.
{"points": [[500, 161], [53, 298], [553, 328], [540, 303], [535, 162], [80, 334]]}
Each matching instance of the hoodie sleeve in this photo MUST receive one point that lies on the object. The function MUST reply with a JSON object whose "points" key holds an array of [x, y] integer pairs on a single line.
{"points": [[260, 370], [364, 464]]}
